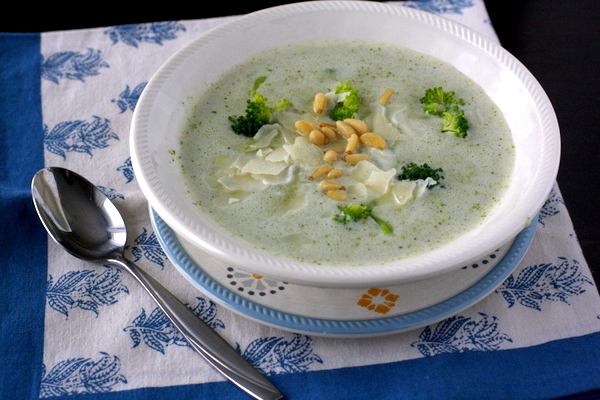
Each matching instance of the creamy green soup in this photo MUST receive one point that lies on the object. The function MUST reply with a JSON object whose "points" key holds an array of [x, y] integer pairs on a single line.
{"points": [[259, 189]]}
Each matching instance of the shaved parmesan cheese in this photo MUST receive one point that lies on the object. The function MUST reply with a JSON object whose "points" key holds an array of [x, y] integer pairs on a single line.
{"points": [[278, 155], [265, 136], [403, 191], [303, 151], [379, 181], [362, 171], [261, 166], [422, 185], [379, 122], [238, 182], [358, 191]]}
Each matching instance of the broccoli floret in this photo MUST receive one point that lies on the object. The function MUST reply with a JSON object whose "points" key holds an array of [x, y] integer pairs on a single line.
{"points": [[258, 113], [348, 107], [361, 212], [445, 105], [281, 104], [455, 123], [436, 101], [413, 172]]}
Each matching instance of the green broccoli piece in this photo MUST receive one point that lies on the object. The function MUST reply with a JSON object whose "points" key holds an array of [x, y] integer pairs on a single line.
{"points": [[259, 81], [445, 105], [348, 107], [413, 172], [281, 104], [257, 113], [361, 212], [436, 101], [455, 123]]}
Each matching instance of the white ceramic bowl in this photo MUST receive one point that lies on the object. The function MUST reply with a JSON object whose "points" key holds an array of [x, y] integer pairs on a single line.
{"points": [[160, 117]]}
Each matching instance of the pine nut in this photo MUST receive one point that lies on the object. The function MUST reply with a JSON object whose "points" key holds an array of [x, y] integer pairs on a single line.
{"points": [[339, 150], [317, 137], [319, 103], [328, 132], [355, 158], [371, 139], [359, 126], [344, 129], [331, 156], [321, 171], [336, 195], [335, 173], [331, 185], [385, 97], [327, 124], [352, 144], [305, 127]]}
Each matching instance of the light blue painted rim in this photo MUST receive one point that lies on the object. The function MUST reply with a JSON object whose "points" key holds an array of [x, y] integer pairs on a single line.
{"points": [[340, 328]]}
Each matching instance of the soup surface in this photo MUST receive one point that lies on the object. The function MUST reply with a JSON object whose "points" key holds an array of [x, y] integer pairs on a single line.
{"points": [[260, 188]]}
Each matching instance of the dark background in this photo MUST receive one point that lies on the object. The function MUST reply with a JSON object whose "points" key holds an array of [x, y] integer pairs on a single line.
{"points": [[558, 41]]}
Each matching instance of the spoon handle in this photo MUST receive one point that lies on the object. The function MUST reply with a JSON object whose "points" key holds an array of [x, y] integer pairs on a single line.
{"points": [[204, 339]]}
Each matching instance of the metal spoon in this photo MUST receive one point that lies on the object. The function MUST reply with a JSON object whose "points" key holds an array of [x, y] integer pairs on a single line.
{"points": [[78, 216]]}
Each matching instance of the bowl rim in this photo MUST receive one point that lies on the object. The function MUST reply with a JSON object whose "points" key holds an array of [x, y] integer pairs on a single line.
{"points": [[263, 263]]}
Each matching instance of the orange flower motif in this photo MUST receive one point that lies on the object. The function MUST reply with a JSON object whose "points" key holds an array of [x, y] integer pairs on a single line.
{"points": [[378, 300]]}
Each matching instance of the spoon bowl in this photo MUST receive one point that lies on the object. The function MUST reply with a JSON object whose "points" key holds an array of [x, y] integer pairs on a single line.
{"points": [[79, 217]]}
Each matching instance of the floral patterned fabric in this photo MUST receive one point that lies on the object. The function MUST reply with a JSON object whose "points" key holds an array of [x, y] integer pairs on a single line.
{"points": [[102, 334]]}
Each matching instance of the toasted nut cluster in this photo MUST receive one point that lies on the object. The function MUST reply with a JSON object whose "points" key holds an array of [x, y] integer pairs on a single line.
{"points": [[329, 132], [305, 127], [321, 171], [355, 130], [317, 137], [345, 129], [358, 125], [357, 134], [332, 189]]}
